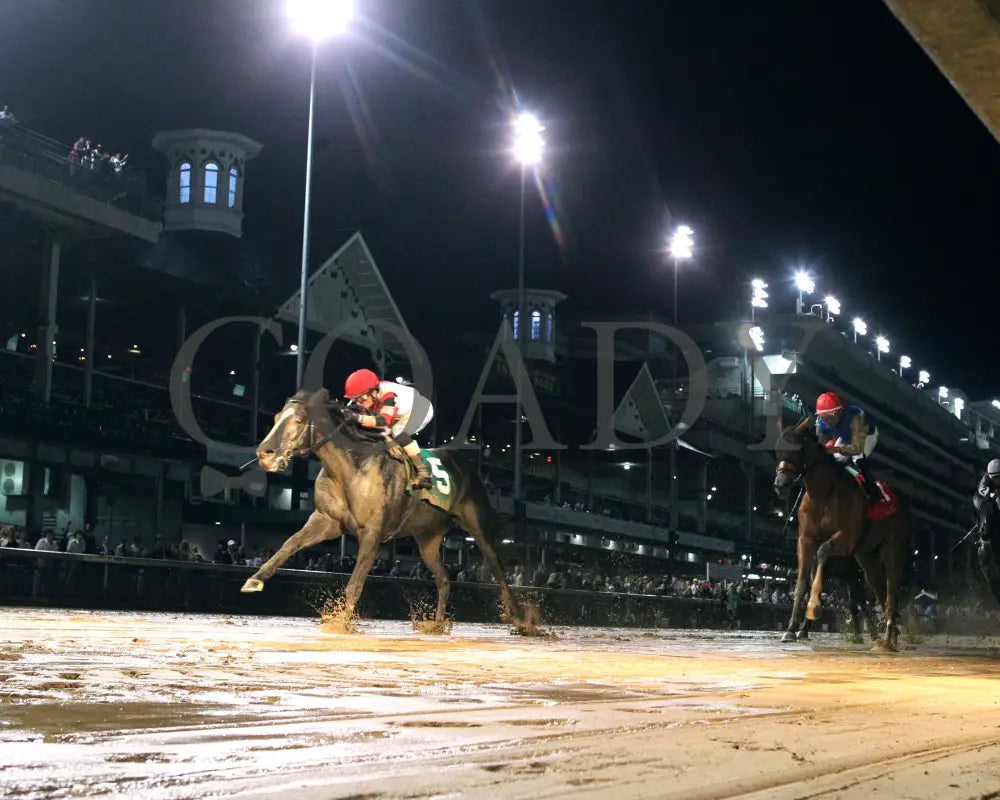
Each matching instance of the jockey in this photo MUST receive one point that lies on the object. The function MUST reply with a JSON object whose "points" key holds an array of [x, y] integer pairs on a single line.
{"points": [[854, 435], [988, 490], [387, 406]]}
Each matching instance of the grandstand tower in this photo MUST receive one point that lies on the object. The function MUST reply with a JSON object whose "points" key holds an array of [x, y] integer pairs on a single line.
{"points": [[205, 183]]}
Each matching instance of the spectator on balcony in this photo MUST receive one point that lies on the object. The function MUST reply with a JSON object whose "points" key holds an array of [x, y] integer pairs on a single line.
{"points": [[6, 117], [157, 550], [47, 542], [118, 162], [76, 543]]}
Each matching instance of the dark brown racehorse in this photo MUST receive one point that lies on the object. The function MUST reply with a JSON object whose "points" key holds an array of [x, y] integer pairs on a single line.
{"points": [[362, 491], [834, 518]]}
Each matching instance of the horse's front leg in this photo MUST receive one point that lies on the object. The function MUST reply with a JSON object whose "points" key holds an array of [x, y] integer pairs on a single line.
{"points": [[807, 553], [822, 553], [368, 541], [318, 528]]}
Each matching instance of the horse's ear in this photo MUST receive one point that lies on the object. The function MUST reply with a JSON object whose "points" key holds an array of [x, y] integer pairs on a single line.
{"points": [[322, 395]]}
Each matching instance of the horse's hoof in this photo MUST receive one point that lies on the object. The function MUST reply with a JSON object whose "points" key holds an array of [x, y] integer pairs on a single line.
{"points": [[252, 585], [803, 635], [788, 637]]}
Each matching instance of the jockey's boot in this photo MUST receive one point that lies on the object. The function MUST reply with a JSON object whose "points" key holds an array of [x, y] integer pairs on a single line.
{"points": [[422, 480], [872, 492]]}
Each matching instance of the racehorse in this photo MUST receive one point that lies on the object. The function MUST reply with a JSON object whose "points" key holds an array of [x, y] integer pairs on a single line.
{"points": [[846, 570], [835, 516], [363, 492]]}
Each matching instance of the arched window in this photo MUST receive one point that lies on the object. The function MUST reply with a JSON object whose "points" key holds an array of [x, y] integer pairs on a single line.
{"points": [[211, 182], [536, 325], [185, 183], [233, 177], [550, 328], [517, 314]]}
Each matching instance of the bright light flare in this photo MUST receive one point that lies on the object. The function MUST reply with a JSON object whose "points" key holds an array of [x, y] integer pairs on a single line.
{"points": [[757, 337], [320, 19], [905, 362], [923, 376], [882, 344], [860, 327], [942, 392], [832, 305], [804, 282], [682, 242], [528, 142], [759, 299]]}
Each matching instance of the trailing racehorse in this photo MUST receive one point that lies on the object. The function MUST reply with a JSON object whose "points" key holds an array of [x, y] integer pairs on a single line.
{"points": [[836, 516], [363, 491]]}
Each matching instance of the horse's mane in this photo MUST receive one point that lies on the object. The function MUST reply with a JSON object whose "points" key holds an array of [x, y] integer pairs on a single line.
{"points": [[319, 403]]}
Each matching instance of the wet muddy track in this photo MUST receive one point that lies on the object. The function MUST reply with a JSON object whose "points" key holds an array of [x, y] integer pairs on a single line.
{"points": [[172, 706]]}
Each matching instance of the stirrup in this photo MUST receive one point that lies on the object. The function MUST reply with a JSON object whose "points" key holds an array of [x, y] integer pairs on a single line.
{"points": [[422, 482]]}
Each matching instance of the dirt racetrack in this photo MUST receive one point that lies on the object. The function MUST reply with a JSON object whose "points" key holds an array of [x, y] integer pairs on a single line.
{"points": [[100, 704]]}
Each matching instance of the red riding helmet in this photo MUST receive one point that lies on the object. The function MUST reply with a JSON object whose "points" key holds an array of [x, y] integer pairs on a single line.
{"points": [[359, 382], [828, 402]]}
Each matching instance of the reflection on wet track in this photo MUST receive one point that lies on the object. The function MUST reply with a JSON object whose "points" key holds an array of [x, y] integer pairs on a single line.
{"points": [[96, 704]]}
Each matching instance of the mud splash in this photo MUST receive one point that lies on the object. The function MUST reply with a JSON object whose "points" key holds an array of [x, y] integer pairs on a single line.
{"points": [[423, 617], [333, 616]]}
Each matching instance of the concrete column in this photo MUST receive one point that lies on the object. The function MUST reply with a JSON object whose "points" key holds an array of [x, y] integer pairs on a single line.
{"points": [[158, 508], [88, 366], [47, 328], [343, 545], [181, 326], [673, 486], [751, 500], [590, 481], [36, 494], [931, 552], [255, 389], [649, 485], [702, 496]]}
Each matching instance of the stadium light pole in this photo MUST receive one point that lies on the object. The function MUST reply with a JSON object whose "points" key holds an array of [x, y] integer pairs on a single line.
{"points": [[832, 307], [905, 362], [806, 285], [528, 146], [860, 328], [881, 346], [681, 247], [318, 20]]}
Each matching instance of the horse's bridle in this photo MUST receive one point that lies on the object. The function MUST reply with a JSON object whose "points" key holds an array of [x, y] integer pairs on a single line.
{"points": [[310, 444], [793, 470]]}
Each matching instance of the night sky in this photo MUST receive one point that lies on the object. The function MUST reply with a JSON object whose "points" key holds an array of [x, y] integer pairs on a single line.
{"points": [[785, 133]]}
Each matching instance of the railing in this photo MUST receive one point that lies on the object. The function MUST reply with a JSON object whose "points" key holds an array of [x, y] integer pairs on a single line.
{"points": [[48, 159], [30, 577]]}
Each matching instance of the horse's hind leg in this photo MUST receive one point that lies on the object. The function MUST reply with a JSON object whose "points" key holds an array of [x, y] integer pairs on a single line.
{"points": [[480, 521], [430, 552], [875, 576], [318, 528], [894, 567]]}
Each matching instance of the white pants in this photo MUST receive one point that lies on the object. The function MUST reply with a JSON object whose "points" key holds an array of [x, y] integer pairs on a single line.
{"points": [[870, 442]]}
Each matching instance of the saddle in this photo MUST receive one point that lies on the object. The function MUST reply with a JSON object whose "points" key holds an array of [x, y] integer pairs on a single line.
{"points": [[882, 507]]}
